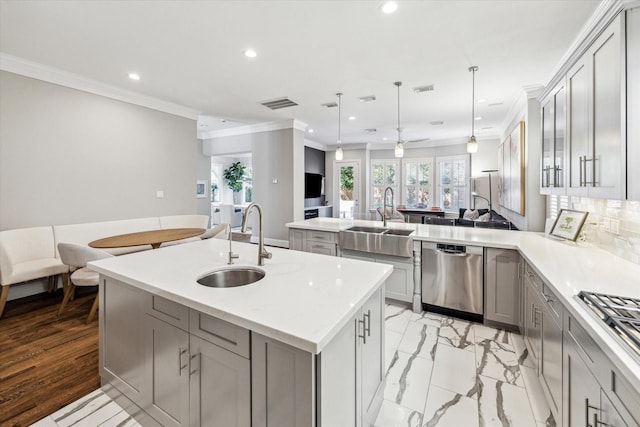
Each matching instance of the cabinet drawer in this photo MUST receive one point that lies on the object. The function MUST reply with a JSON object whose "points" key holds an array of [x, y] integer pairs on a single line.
{"points": [[623, 391], [533, 276], [221, 333], [169, 311], [324, 248], [323, 236]]}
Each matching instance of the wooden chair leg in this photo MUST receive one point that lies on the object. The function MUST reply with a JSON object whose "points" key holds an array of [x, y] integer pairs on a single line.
{"points": [[94, 308], [65, 282], [67, 295], [3, 298], [49, 284]]}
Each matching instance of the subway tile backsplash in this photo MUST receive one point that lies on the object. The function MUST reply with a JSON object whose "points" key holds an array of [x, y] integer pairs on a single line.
{"points": [[613, 225]]}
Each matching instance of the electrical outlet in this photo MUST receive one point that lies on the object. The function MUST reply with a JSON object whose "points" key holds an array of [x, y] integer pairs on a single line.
{"points": [[615, 226]]}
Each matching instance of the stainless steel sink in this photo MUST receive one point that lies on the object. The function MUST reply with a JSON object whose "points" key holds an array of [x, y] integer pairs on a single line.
{"points": [[386, 241], [230, 277]]}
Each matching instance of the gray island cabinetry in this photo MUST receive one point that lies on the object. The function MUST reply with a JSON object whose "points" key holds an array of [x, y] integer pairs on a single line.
{"points": [[177, 354]]}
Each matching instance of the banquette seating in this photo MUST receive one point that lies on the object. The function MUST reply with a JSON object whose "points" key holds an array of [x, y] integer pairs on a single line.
{"points": [[28, 254]]}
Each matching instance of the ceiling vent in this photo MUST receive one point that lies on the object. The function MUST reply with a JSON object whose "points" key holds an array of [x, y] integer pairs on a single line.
{"points": [[367, 98], [436, 123], [277, 104], [495, 104], [330, 105], [371, 130], [420, 89]]}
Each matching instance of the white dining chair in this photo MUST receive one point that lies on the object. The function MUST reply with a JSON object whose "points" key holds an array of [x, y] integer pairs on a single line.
{"points": [[77, 256], [216, 231]]}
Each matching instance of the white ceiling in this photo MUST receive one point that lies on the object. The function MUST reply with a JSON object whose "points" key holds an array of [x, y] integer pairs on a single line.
{"points": [[191, 53]]}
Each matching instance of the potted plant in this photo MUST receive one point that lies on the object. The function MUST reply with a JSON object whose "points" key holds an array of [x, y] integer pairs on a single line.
{"points": [[234, 176]]}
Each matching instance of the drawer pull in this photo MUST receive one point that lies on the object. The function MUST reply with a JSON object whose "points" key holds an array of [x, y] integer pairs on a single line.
{"points": [[180, 365]]}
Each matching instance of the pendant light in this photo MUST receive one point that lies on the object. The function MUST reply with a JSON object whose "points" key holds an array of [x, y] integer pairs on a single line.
{"points": [[339, 153], [399, 150], [472, 145]]}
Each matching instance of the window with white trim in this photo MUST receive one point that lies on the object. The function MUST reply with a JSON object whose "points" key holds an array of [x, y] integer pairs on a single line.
{"points": [[383, 174], [452, 182], [417, 191]]}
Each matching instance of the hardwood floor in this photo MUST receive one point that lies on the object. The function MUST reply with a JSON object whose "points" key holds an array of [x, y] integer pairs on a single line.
{"points": [[46, 362]]}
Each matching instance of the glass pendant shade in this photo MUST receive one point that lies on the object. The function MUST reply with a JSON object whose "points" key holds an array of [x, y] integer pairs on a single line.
{"points": [[399, 150], [472, 145], [339, 153]]}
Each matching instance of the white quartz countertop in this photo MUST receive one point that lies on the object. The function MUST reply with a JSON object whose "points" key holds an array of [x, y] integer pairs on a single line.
{"points": [[303, 300], [567, 267]]}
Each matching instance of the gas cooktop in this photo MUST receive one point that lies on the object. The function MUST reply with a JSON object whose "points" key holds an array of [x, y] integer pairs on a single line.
{"points": [[622, 314]]}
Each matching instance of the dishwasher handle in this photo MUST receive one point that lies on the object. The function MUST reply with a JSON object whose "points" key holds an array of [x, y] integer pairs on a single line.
{"points": [[450, 253]]}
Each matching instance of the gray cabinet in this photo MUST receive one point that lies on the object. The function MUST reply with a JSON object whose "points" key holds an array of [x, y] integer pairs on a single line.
{"points": [[597, 117], [554, 120], [351, 369], [400, 284], [314, 241], [633, 104], [543, 337], [502, 286]]}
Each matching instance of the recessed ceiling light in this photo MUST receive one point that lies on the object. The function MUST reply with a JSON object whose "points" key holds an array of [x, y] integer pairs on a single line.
{"points": [[250, 53], [384, 139], [310, 130], [478, 118], [480, 101], [352, 117], [134, 76], [389, 7]]}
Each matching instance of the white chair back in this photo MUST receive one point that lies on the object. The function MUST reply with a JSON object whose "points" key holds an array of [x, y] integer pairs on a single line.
{"points": [[78, 256]]}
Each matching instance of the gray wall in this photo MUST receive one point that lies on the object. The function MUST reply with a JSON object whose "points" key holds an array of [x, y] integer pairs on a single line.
{"points": [[278, 174], [67, 156]]}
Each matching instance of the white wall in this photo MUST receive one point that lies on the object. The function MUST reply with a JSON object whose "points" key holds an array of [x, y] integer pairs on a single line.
{"points": [[68, 156]]}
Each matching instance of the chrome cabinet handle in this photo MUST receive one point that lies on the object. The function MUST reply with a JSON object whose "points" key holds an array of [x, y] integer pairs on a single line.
{"points": [[582, 168], [192, 360], [547, 298], [180, 365], [557, 170], [367, 328], [597, 422], [587, 406], [364, 335], [441, 252]]}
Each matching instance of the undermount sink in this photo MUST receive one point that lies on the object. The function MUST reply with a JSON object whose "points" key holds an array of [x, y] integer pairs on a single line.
{"points": [[231, 277], [380, 240]]}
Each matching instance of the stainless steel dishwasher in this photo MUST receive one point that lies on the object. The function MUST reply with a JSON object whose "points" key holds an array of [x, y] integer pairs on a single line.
{"points": [[452, 279]]}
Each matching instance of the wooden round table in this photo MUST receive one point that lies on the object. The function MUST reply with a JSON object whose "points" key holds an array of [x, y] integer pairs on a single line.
{"points": [[153, 237]]}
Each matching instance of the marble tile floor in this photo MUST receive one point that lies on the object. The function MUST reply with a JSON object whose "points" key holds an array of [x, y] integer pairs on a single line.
{"points": [[440, 371]]}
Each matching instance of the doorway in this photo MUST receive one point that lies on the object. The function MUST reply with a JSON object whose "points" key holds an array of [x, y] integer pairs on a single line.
{"points": [[348, 186]]}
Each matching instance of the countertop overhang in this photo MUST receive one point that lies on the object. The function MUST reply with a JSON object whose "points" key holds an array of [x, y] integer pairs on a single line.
{"points": [[303, 301]]}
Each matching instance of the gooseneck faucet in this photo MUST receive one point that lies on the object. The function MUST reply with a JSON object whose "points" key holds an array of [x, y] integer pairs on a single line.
{"points": [[262, 253], [384, 205], [232, 256]]}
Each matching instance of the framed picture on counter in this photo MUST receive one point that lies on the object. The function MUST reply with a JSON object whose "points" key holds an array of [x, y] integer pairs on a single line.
{"points": [[568, 224]]}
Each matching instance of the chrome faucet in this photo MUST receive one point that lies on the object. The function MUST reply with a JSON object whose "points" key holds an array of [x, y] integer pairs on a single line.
{"points": [[262, 253], [232, 256], [384, 205]]}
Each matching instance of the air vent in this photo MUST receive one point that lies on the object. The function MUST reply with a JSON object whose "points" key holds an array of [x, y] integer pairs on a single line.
{"points": [[371, 130], [277, 104], [436, 123], [420, 89], [330, 105], [367, 98], [495, 104]]}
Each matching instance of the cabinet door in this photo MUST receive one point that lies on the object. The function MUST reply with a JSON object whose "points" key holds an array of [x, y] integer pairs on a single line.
{"points": [[608, 415], [122, 335], [296, 239], [372, 356], [220, 386], [559, 146], [606, 171], [581, 390], [168, 371], [547, 144], [533, 320], [578, 98], [502, 286], [399, 285], [551, 360]]}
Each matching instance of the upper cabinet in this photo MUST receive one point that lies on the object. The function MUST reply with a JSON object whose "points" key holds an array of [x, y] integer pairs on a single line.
{"points": [[554, 129], [633, 104], [596, 118]]}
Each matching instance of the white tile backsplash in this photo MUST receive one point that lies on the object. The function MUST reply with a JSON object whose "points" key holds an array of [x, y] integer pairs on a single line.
{"points": [[613, 225]]}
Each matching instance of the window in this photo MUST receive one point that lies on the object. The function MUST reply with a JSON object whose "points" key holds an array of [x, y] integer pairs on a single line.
{"points": [[216, 182], [383, 175], [452, 180], [417, 190], [247, 186]]}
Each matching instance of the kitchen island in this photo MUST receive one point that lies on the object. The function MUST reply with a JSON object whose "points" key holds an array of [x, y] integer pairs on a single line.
{"points": [[304, 346]]}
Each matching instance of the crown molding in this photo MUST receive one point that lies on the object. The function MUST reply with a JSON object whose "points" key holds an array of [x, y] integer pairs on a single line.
{"points": [[316, 145], [16, 65], [258, 127]]}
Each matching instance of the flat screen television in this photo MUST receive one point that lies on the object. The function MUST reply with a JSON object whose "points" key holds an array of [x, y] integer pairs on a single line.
{"points": [[313, 185]]}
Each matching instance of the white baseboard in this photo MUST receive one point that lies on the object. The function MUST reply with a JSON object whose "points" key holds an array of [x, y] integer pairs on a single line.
{"points": [[272, 242]]}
